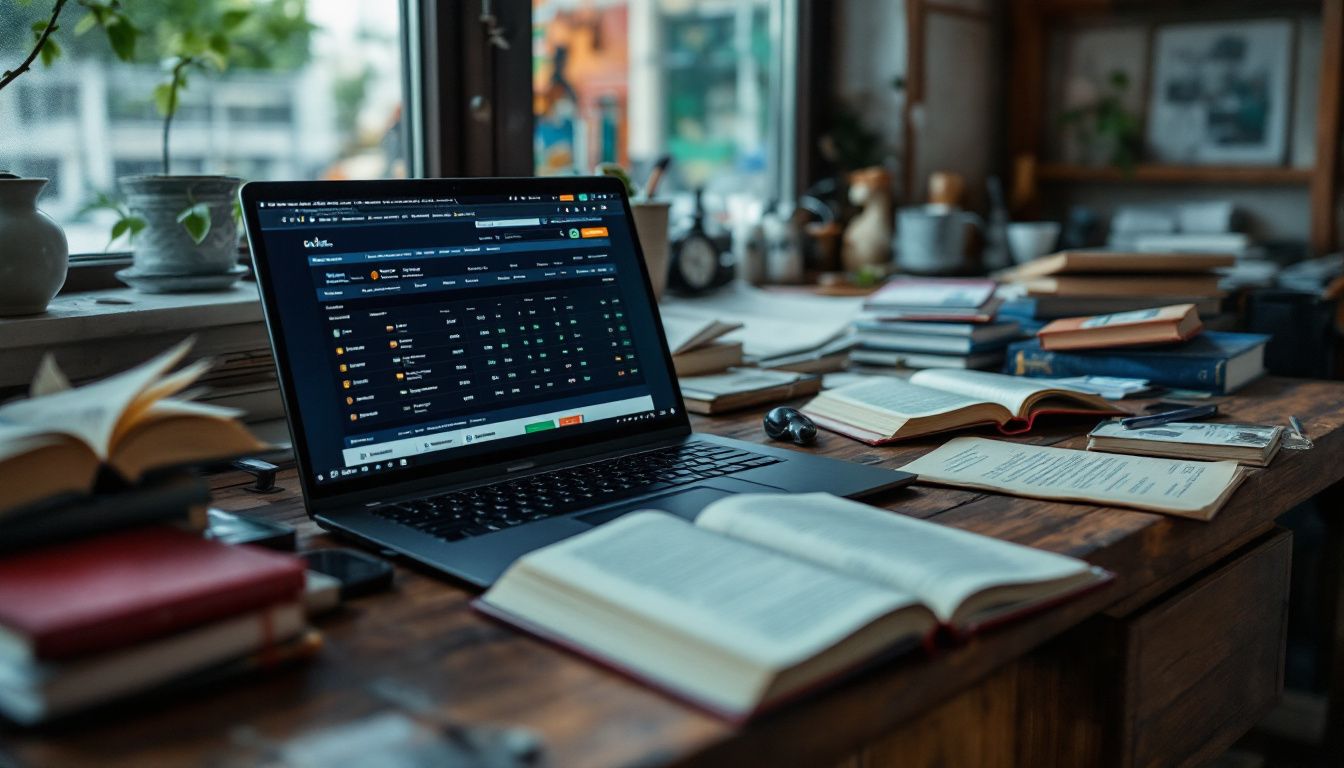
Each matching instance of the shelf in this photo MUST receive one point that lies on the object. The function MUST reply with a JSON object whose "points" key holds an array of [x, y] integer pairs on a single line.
{"points": [[1177, 174]]}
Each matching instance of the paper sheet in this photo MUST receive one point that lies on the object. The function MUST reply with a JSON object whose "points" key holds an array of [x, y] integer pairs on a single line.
{"points": [[774, 323], [1188, 488]]}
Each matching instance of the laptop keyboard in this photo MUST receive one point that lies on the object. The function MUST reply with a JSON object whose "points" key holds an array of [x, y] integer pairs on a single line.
{"points": [[476, 511]]}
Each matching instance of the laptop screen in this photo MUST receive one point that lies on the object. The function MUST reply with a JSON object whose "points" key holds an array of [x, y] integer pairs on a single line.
{"points": [[434, 329]]}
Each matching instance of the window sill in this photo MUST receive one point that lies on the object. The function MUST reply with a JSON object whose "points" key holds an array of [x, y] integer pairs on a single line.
{"points": [[96, 333]]}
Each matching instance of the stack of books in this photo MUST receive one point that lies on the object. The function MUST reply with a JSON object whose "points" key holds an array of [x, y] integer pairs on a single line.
{"points": [[933, 323], [107, 584], [94, 620], [1078, 283], [1164, 346]]}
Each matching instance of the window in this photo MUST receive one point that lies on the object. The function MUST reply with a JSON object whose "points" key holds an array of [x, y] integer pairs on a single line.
{"points": [[627, 81], [325, 104]]}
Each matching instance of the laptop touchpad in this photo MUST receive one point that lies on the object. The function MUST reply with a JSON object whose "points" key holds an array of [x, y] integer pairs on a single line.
{"points": [[686, 504]]}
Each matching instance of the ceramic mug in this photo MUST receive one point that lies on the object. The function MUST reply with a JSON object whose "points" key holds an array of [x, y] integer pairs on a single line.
{"points": [[931, 239], [1029, 240]]}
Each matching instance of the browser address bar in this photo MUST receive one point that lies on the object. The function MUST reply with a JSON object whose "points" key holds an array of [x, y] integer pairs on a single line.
{"points": [[492, 223]]}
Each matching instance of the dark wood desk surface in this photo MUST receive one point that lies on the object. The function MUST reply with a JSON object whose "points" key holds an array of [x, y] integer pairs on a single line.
{"points": [[424, 638]]}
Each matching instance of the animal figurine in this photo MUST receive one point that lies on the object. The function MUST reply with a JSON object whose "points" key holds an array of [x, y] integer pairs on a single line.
{"points": [[867, 240]]}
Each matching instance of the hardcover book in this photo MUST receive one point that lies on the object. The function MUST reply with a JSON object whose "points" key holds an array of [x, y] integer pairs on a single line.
{"points": [[1215, 361], [1160, 325], [765, 597]]}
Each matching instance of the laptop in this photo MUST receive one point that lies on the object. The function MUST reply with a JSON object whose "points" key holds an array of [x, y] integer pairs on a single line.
{"points": [[475, 368]]}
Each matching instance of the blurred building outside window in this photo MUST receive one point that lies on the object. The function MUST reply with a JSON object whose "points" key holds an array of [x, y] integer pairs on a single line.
{"points": [[329, 109], [627, 81]]}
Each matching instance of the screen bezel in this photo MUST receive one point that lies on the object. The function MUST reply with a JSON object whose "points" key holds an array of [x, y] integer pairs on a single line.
{"points": [[560, 447]]}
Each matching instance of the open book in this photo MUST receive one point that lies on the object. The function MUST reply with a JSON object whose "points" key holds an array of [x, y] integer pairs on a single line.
{"points": [[886, 409], [55, 442], [766, 596]]}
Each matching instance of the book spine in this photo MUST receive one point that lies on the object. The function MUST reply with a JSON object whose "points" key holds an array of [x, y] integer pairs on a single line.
{"points": [[1167, 371]]}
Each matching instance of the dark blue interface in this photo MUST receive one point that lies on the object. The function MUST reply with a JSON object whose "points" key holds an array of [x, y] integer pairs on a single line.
{"points": [[424, 330]]}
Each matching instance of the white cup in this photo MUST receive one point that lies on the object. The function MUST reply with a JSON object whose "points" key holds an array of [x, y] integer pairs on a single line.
{"points": [[1029, 240]]}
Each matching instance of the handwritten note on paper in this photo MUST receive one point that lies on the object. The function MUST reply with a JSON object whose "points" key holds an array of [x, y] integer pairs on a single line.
{"points": [[1188, 488]]}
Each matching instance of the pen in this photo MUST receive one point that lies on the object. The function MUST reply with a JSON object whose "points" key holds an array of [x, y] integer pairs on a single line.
{"points": [[656, 177], [1297, 427], [1184, 414]]}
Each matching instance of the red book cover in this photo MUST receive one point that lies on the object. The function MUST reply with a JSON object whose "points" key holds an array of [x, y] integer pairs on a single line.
{"points": [[111, 591]]}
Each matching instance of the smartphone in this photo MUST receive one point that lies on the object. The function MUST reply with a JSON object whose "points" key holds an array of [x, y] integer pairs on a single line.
{"points": [[359, 573]]}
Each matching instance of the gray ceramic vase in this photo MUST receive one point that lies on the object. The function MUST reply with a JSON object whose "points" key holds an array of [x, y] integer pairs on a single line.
{"points": [[164, 249], [33, 252]]}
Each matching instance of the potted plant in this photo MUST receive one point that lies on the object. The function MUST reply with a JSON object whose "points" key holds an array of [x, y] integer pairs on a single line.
{"points": [[184, 228], [34, 255]]}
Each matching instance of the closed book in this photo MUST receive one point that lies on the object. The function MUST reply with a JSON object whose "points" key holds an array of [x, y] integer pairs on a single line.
{"points": [[1124, 285], [744, 387], [170, 497], [33, 692], [931, 293], [1055, 307], [1217, 362], [938, 344], [1160, 325], [123, 588], [1116, 262], [976, 332], [920, 360], [710, 358]]}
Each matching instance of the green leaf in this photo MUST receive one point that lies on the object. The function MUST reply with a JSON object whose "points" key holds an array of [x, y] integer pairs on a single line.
{"points": [[120, 228], [122, 37], [231, 20], [51, 51], [87, 23], [164, 99], [196, 220], [136, 225]]}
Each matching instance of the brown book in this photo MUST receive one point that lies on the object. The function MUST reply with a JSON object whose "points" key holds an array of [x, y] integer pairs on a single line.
{"points": [[1124, 285], [1113, 262], [55, 442], [711, 358], [743, 387], [1161, 325]]}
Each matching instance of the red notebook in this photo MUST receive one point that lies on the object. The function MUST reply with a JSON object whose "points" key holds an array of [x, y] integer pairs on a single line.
{"points": [[886, 409], [123, 588]]}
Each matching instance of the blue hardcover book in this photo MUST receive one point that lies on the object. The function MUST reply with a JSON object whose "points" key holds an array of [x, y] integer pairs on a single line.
{"points": [[1213, 361]]}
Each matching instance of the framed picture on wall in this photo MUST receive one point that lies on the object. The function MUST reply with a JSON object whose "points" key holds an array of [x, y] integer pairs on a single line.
{"points": [[1220, 93]]}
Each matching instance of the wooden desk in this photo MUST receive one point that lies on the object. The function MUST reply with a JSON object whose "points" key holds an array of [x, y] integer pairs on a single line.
{"points": [[1040, 692]]}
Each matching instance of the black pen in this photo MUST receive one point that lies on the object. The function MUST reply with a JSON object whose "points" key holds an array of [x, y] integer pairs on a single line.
{"points": [[1184, 414]]}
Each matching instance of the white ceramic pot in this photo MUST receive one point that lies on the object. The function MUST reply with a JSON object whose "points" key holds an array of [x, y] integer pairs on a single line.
{"points": [[651, 226], [164, 248], [33, 253]]}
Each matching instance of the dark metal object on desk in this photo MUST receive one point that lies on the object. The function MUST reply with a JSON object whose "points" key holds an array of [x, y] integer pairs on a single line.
{"points": [[1184, 414], [263, 471], [784, 423]]}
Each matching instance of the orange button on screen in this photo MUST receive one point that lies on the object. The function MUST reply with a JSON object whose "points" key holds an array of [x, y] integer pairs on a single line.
{"points": [[569, 421], [593, 231], [566, 198]]}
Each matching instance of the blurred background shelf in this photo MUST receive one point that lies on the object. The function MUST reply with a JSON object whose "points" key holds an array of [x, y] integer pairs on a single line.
{"points": [[1176, 174]]}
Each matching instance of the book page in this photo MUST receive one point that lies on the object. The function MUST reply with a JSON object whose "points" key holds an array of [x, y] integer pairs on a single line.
{"points": [[901, 397], [1191, 488], [1012, 392], [758, 605], [91, 413], [943, 566]]}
